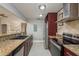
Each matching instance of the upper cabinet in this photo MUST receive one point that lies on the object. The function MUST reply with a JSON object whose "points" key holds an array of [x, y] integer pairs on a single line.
{"points": [[4, 28], [23, 27], [52, 25], [60, 15], [69, 12]]}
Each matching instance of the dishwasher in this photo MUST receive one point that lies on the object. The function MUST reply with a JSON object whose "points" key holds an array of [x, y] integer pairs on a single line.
{"points": [[55, 49]]}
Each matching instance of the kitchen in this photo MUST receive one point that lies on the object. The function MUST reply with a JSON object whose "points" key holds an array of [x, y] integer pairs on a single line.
{"points": [[53, 33]]}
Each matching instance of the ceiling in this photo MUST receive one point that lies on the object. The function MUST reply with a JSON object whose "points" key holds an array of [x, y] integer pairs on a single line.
{"points": [[31, 10], [5, 12]]}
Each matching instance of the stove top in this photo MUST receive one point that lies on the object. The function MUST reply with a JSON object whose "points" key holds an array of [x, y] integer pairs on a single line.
{"points": [[70, 39]]}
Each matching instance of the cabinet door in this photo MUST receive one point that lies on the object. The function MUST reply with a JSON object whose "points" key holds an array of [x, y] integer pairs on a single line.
{"points": [[25, 48], [68, 52], [60, 15], [29, 44], [20, 52], [4, 28], [78, 9], [66, 10], [52, 25], [23, 27], [59, 18], [70, 10]]}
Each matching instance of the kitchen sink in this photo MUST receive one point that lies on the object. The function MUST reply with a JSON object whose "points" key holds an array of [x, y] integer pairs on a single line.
{"points": [[20, 37]]}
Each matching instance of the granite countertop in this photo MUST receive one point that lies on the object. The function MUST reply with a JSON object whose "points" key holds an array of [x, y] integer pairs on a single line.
{"points": [[58, 37], [7, 46], [73, 48], [2, 35]]}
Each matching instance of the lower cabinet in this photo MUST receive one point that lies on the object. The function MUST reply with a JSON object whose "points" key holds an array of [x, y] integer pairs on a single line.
{"points": [[29, 43], [67, 52], [20, 52], [23, 49], [27, 46]]}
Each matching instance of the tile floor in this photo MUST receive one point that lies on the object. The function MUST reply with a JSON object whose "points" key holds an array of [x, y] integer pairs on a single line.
{"points": [[39, 50]]}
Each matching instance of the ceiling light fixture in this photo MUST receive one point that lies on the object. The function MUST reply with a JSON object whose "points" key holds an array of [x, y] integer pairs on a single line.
{"points": [[42, 7], [41, 15]]}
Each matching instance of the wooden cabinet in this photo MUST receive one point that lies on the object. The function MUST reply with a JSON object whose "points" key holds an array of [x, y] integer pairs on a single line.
{"points": [[30, 42], [4, 28], [59, 18], [23, 49], [78, 9], [66, 9], [52, 25], [67, 52], [28, 45], [23, 27], [60, 15], [19, 51], [70, 11], [26, 48]]}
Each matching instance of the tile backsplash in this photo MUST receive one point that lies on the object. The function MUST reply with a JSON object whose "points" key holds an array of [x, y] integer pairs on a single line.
{"points": [[13, 24], [70, 27]]}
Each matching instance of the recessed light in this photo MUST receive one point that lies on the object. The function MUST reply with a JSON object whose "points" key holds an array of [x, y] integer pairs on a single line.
{"points": [[42, 7], [41, 15]]}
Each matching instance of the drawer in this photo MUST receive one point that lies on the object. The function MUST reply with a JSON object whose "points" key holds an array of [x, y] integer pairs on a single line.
{"points": [[67, 52]]}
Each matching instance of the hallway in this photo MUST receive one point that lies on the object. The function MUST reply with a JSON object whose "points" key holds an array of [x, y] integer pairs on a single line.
{"points": [[39, 50]]}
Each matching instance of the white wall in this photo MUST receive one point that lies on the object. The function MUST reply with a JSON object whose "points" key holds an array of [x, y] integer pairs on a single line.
{"points": [[13, 24], [37, 36], [29, 29]]}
